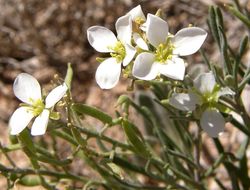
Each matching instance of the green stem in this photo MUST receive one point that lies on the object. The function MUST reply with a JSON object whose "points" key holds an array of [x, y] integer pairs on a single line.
{"points": [[231, 169], [7, 156], [57, 174]]}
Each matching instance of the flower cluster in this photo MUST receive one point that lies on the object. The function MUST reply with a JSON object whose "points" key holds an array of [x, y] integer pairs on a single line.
{"points": [[145, 45], [27, 89], [203, 98]]}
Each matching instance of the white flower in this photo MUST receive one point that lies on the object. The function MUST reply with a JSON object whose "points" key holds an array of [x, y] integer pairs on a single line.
{"points": [[165, 59], [137, 14], [139, 21], [27, 89], [103, 40], [206, 94]]}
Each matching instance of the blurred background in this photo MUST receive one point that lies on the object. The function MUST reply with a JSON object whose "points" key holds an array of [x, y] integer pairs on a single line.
{"points": [[40, 37]]}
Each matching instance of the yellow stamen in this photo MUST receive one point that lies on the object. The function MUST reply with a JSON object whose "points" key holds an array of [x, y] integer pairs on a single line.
{"points": [[164, 51], [119, 51]]}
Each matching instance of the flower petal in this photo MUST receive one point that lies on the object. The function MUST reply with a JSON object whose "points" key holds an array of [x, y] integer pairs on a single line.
{"points": [[140, 42], [205, 82], [130, 53], [144, 26], [55, 95], [124, 28], [212, 122], [144, 67], [108, 73], [137, 13], [101, 38], [156, 30], [225, 91], [19, 120], [174, 68], [40, 124], [184, 102], [188, 40], [26, 88]]}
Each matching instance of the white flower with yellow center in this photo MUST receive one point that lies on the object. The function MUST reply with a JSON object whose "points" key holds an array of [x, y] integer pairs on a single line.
{"points": [[139, 21], [205, 94], [166, 50], [103, 40], [27, 89]]}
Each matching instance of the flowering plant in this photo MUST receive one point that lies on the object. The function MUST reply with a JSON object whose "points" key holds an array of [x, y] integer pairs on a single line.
{"points": [[28, 90], [166, 126]]}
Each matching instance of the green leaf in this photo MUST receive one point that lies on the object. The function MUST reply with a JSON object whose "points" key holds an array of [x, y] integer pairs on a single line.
{"points": [[93, 112], [124, 102], [219, 18], [243, 46], [122, 99], [116, 169], [224, 51], [30, 180], [78, 137], [239, 15], [53, 161], [69, 76], [28, 147], [135, 138], [213, 24], [26, 140]]}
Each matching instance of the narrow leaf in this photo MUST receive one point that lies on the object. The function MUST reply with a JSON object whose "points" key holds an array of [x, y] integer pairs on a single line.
{"points": [[213, 24], [69, 76], [92, 111], [243, 46], [135, 138], [239, 15]]}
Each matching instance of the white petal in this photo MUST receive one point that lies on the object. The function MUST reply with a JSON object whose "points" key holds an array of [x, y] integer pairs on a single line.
{"points": [[174, 68], [26, 88], [101, 38], [188, 40], [40, 124], [19, 120], [108, 73], [184, 102], [139, 41], [205, 82], [130, 53], [156, 30], [225, 91], [144, 67], [137, 13], [123, 27], [144, 26], [55, 95], [212, 122]]}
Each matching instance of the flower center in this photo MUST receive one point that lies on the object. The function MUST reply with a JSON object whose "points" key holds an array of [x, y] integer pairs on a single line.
{"points": [[136, 24], [211, 97], [139, 20], [119, 51], [37, 107], [164, 51]]}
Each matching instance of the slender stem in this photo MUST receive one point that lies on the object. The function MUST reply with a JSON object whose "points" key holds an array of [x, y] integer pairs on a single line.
{"points": [[197, 176], [242, 110], [92, 133], [57, 175], [231, 169], [7, 156]]}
